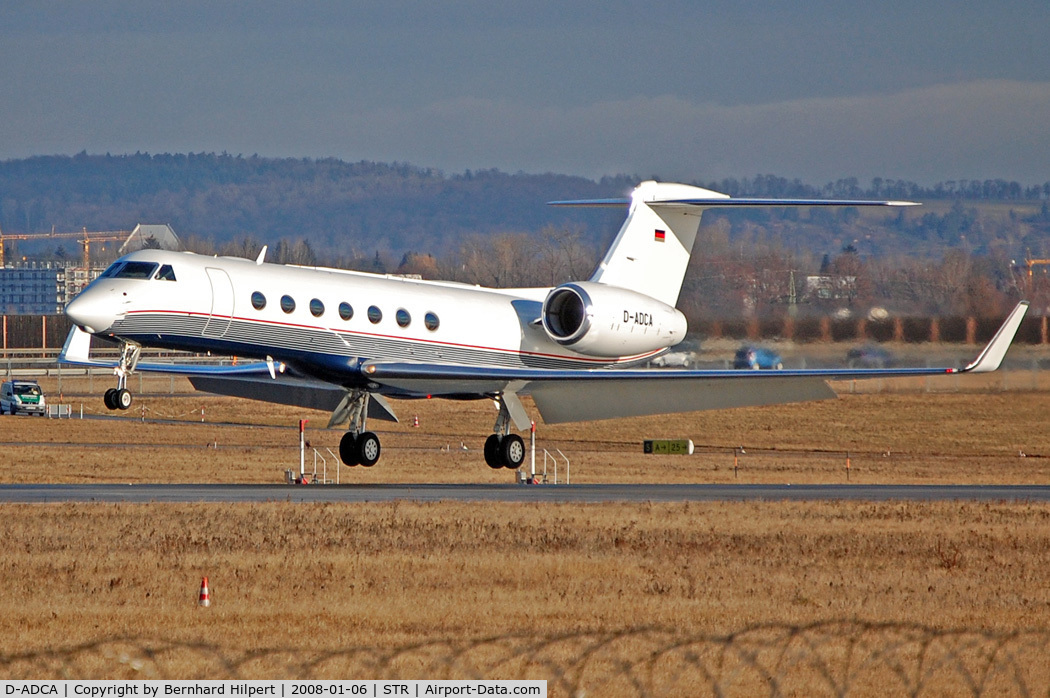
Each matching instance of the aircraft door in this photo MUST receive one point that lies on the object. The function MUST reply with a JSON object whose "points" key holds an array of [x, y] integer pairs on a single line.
{"points": [[221, 303]]}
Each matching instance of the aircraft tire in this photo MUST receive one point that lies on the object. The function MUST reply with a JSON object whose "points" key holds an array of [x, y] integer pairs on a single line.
{"points": [[122, 398], [368, 449], [109, 398], [348, 449], [492, 454], [512, 450]]}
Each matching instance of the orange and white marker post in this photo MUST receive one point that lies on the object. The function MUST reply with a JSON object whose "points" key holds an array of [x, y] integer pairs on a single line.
{"points": [[204, 599]]}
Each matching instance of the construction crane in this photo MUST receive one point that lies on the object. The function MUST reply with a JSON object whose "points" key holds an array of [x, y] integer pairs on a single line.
{"points": [[1035, 263], [84, 237]]}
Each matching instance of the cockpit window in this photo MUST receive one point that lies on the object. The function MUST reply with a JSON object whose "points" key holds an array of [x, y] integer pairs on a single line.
{"points": [[112, 270], [135, 270], [166, 273]]}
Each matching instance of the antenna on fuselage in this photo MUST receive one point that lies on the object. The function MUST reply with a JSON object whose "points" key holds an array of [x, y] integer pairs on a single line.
{"points": [[262, 255]]}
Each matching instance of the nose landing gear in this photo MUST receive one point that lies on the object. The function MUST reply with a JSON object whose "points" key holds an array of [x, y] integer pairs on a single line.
{"points": [[119, 398]]}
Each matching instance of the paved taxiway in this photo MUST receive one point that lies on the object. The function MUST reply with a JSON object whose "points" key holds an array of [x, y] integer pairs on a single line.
{"points": [[516, 493]]}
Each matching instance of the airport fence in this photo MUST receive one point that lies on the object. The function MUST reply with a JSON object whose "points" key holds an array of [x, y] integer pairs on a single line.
{"points": [[839, 658]]}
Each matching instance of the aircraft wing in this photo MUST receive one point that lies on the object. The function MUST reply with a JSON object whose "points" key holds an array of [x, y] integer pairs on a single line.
{"points": [[560, 395], [579, 395]]}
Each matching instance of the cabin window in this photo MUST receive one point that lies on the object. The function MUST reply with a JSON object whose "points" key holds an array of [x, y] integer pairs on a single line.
{"points": [[430, 320], [374, 314], [136, 270], [403, 318], [166, 273], [287, 304], [258, 300], [316, 308], [346, 311]]}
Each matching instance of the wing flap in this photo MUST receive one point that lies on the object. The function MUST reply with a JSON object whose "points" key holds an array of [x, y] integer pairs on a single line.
{"points": [[572, 401], [289, 390], [283, 391]]}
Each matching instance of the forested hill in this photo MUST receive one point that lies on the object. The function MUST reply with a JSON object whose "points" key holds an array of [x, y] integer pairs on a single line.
{"points": [[335, 205], [352, 210]]}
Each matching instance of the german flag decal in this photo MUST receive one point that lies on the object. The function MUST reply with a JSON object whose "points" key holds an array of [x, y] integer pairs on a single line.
{"points": [[660, 235]]}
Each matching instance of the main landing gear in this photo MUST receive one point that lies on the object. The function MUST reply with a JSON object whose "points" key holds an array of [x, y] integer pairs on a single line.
{"points": [[503, 449], [359, 447], [119, 398]]}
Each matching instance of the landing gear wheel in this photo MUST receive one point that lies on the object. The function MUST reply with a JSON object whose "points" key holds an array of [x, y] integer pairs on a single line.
{"points": [[368, 449], [492, 455], [122, 398], [512, 450], [110, 399], [348, 449]]}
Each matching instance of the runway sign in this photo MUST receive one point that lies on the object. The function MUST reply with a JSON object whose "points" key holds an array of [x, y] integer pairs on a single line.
{"points": [[683, 447]]}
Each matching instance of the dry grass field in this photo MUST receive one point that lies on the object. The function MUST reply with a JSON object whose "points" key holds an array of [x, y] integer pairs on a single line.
{"points": [[315, 578], [311, 579]]}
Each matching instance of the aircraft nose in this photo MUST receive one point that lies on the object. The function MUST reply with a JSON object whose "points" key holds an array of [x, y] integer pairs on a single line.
{"points": [[91, 312]]}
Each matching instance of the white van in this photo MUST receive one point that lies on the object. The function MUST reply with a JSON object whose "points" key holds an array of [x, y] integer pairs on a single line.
{"points": [[22, 396]]}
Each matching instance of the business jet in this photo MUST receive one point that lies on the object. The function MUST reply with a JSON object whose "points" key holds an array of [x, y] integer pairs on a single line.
{"points": [[348, 342]]}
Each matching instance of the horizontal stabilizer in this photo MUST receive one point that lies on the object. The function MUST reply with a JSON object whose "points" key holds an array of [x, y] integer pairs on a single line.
{"points": [[732, 202]]}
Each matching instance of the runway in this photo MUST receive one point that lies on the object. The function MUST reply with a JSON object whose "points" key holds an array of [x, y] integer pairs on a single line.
{"points": [[41, 493]]}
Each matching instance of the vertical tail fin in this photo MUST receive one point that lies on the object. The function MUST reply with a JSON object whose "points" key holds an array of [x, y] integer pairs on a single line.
{"points": [[651, 251]]}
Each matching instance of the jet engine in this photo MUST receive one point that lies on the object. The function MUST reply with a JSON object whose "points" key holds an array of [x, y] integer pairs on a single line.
{"points": [[607, 321]]}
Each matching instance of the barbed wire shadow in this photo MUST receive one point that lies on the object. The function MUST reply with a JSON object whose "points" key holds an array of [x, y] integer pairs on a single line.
{"points": [[832, 658]]}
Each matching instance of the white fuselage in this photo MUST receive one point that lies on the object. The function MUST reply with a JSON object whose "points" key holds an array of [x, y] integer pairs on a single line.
{"points": [[239, 307]]}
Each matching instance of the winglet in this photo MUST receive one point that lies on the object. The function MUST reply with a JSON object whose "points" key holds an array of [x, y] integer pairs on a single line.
{"points": [[77, 349], [993, 354]]}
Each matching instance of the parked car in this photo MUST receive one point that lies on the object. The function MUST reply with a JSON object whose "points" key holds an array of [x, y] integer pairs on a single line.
{"points": [[675, 359], [869, 356], [756, 358], [24, 397]]}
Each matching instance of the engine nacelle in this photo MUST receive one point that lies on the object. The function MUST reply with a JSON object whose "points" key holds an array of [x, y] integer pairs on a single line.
{"points": [[610, 322]]}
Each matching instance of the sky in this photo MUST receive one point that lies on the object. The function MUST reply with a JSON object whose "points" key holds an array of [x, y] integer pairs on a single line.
{"points": [[695, 91]]}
